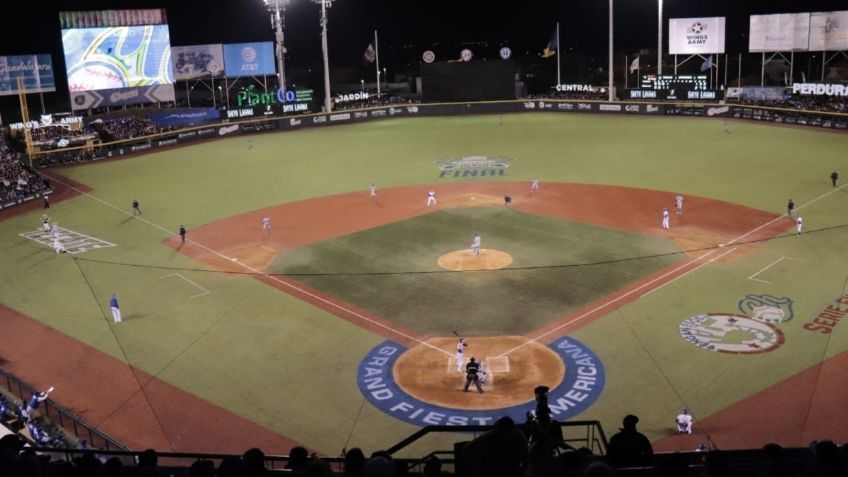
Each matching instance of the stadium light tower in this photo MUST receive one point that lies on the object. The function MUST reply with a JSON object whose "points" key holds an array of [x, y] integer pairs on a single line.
{"points": [[659, 36], [277, 8], [325, 4]]}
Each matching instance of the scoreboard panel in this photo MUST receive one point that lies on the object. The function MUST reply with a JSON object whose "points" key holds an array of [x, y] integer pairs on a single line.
{"points": [[674, 87]]}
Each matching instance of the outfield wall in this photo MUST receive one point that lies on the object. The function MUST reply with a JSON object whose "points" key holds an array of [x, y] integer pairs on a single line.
{"points": [[253, 120]]}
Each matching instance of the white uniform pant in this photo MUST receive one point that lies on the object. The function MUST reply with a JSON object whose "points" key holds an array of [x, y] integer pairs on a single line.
{"points": [[431, 200], [665, 223], [116, 314]]}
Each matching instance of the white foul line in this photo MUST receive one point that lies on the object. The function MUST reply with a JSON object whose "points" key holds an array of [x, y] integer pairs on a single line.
{"points": [[690, 271], [769, 266], [604, 305], [205, 291], [257, 271]]}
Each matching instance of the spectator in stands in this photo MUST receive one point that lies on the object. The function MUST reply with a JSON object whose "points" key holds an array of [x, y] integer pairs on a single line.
{"points": [[253, 461], [715, 465], [298, 458], [501, 452], [230, 467], [148, 458], [827, 460], [34, 401], [202, 468], [115, 468], [354, 464], [673, 466], [629, 447], [774, 462]]}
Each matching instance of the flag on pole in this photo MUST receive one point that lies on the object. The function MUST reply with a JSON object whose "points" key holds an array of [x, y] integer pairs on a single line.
{"points": [[552, 47], [370, 54], [786, 78], [635, 65], [803, 77], [708, 63]]}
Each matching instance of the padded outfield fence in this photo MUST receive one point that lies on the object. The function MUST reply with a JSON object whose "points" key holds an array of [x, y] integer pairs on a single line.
{"points": [[251, 120]]}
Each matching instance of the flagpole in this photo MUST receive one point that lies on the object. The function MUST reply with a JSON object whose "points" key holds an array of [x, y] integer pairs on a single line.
{"points": [[377, 62], [559, 79], [609, 60], [626, 73]]}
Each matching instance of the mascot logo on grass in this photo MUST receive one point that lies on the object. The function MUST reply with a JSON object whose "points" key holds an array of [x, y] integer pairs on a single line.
{"points": [[474, 166], [579, 389], [767, 308]]}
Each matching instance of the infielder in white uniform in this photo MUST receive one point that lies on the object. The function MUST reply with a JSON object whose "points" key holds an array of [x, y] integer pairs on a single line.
{"points": [[373, 189], [475, 245], [431, 198], [678, 204], [460, 350], [266, 225], [54, 229], [534, 186], [665, 218], [45, 223], [684, 422], [799, 225], [57, 245]]}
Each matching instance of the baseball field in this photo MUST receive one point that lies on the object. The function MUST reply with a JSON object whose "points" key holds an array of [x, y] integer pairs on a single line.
{"points": [[338, 328]]}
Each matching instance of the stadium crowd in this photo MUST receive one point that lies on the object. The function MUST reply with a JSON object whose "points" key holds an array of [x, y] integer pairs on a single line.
{"points": [[17, 181], [532, 449], [127, 128], [835, 104]]}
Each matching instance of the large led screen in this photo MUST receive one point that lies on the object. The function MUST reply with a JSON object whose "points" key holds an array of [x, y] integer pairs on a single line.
{"points": [[117, 57]]}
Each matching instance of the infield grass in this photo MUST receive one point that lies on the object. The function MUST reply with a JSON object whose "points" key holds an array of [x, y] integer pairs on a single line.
{"points": [[558, 266]]}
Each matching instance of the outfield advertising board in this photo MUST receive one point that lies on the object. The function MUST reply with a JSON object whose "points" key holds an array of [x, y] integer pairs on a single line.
{"points": [[121, 96], [35, 70], [781, 32], [829, 31], [249, 59], [198, 61], [693, 36], [186, 117]]}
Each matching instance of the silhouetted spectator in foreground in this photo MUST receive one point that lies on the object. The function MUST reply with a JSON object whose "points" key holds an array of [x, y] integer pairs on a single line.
{"points": [[629, 447], [298, 458], [253, 461], [148, 458], [354, 464], [113, 467], [715, 465], [827, 460], [501, 452], [230, 467], [774, 462], [202, 468]]}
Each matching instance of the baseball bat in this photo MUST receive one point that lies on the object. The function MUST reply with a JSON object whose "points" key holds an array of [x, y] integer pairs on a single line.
{"points": [[50, 390]]}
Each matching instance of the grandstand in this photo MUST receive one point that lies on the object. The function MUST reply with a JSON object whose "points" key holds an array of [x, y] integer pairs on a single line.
{"points": [[337, 340]]}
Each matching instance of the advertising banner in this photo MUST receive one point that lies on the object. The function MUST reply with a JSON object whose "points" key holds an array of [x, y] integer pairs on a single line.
{"points": [[781, 32], [249, 59], [186, 117], [117, 57], [198, 61], [121, 96], [695, 36], [829, 31], [36, 71]]}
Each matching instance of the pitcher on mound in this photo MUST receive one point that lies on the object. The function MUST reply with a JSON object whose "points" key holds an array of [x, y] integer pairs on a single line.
{"points": [[475, 245]]}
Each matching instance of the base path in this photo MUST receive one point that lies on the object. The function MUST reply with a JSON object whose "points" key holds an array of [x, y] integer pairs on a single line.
{"points": [[704, 223], [105, 392]]}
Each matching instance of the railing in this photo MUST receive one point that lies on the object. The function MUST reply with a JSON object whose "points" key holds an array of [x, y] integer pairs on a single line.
{"points": [[592, 437], [60, 416]]}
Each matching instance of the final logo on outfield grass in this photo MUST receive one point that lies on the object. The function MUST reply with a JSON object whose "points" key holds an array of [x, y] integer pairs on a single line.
{"points": [[580, 387], [474, 166]]}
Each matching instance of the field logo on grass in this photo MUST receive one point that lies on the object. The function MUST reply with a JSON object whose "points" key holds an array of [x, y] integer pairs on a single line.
{"points": [[474, 166], [729, 333], [579, 389], [767, 308]]}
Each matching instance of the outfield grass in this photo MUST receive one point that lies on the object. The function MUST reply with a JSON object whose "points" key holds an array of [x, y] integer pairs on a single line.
{"points": [[392, 271], [252, 349]]}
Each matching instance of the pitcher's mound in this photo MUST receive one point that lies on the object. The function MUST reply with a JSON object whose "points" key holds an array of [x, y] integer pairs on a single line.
{"points": [[464, 260]]}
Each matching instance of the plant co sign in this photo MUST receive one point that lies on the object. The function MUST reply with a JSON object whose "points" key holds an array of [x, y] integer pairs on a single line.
{"points": [[250, 97]]}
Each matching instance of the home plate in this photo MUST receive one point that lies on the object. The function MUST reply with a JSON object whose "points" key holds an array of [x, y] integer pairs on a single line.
{"points": [[234, 259]]}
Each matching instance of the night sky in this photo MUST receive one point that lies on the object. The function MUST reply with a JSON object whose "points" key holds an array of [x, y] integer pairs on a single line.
{"points": [[407, 27]]}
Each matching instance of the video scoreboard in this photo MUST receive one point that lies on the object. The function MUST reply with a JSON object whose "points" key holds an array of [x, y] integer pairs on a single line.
{"points": [[674, 87]]}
